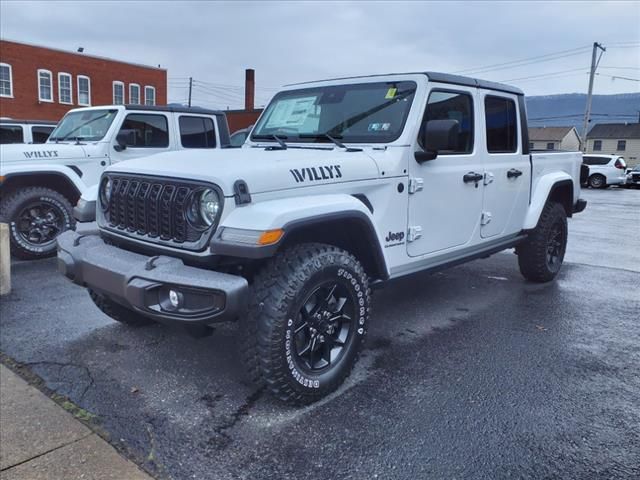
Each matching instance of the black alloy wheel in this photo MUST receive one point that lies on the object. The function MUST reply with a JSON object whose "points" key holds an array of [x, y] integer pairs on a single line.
{"points": [[325, 324], [39, 223]]}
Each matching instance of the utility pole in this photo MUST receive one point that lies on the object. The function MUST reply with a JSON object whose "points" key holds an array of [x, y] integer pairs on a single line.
{"points": [[190, 86], [592, 73]]}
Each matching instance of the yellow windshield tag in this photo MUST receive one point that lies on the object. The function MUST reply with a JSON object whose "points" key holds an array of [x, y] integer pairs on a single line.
{"points": [[391, 92]]}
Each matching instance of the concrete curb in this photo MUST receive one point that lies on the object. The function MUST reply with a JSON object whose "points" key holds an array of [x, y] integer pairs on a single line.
{"points": [[5, 260], [40, 440]]}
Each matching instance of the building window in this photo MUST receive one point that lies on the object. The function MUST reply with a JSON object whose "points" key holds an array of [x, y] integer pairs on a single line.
{"points": [[45, 86], [550, 146], [84, 90], [118, 93], [597, 145], [134, 94], [531, 146], [6, 80], [149, 95], [501, 124], [65, 94], [622, 145]]}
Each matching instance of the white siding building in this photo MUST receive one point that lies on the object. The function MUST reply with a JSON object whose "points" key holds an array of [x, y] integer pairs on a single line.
{"points": [[616, 139], [554, 138]]}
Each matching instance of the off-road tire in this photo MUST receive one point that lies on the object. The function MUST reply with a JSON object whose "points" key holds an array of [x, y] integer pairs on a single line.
{"points": [[117, 312], [597, 181], [16, 201], [533, 253], [279, 292]]}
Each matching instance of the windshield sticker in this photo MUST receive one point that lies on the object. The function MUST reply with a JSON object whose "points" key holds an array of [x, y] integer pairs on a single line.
{"points": [[313, 174], [391, 93], [291, 113]]}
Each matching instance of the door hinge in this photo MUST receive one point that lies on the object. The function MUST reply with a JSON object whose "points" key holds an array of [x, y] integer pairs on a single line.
{"points": [[414, 233], [486, 218], [488, 178], [415, 185]]}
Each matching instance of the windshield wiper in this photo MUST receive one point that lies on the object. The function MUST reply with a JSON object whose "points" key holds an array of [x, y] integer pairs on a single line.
{"points": [[333, 138], [278, 138]]}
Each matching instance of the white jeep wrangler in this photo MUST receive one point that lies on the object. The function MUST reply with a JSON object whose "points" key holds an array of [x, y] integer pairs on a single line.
{"points": [[341, 184], [40, 183]]}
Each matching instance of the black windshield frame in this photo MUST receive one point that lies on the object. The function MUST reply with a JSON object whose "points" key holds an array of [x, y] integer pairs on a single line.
{"points": [[396, 92]]}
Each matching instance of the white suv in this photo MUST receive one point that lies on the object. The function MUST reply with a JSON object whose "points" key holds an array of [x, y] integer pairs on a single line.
{"points": [[605, 170]]}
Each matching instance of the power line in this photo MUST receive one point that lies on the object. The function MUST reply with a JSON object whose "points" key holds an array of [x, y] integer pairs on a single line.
{"points": [[614, 77], [527, 61], [542, 75]]}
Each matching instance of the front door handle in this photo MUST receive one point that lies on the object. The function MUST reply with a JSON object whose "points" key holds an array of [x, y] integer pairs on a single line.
{"points": [[472, 177], [514, 173]]}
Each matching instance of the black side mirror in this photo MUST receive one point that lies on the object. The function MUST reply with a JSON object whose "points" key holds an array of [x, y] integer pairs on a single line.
{"points": [[437, 136], [124, 138]]}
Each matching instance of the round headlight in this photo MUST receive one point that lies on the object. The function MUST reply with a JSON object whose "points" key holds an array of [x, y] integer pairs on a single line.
{"points": [[209, 206], [105, 192]]}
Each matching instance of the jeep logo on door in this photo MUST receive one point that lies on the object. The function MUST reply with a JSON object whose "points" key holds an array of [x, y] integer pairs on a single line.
{"points": [[313, 174]]}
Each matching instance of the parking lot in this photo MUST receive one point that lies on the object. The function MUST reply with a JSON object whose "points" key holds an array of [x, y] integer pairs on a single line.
{"points": [[468, 373]]}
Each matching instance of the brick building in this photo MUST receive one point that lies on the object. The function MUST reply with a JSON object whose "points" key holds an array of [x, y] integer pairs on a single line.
{"points": [[43, 83]]}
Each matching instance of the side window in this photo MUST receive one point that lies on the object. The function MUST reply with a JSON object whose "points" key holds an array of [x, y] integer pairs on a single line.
{"points": [[197, 132], [11, 134], [502, 125], [458, 106], [146, 130], [41, 134]]}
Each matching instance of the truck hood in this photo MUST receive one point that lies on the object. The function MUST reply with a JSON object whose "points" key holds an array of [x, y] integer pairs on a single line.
{"points": [[34, 153], [262, 170]]}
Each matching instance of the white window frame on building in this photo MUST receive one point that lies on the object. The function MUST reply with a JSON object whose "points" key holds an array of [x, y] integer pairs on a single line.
{"points": [[551, 145], [80, 102], [148, 88], [623, 144], [597, 145], [117, 83], [41, 72], [61, 92], [10, 70], [132, 96]]}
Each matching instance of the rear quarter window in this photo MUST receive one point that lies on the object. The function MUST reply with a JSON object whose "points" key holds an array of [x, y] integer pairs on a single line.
{"points": [[11, 134], [197, 132]]}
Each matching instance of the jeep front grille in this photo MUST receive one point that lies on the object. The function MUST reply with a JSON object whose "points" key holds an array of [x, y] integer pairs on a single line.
{"points": [[154, 208]]}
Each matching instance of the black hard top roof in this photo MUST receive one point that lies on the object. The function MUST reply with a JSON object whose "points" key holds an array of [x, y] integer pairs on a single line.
{"points": [[28, 122], [175, 108], [441, 77]]}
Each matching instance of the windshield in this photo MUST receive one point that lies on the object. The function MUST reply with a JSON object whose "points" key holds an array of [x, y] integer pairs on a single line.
{"points": [[361, 113], [90, 125]]}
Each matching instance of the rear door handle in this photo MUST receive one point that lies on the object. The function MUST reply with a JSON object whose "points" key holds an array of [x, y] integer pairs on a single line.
{"points": [[472, 177], [514, 173]]}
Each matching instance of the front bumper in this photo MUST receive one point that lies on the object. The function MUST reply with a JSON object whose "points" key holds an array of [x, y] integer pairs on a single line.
{"points": [[143, 283]]}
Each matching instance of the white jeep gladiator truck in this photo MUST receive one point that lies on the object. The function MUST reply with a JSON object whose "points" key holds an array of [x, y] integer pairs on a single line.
{"points": [[40, 183], [341, 185]]}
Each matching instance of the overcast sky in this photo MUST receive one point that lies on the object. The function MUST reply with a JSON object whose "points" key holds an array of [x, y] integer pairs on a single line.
{"points": [[288, 41]]}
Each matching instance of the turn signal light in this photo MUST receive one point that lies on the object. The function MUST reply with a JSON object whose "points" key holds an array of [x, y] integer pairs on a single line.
{"points": [[270, 236]]}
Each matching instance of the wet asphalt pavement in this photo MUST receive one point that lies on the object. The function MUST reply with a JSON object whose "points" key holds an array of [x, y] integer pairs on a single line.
{"points": [[468, 373]]}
